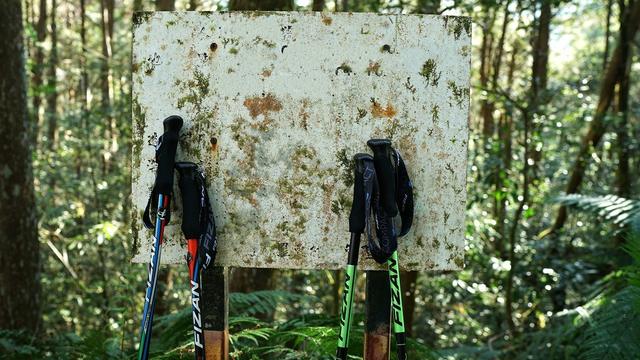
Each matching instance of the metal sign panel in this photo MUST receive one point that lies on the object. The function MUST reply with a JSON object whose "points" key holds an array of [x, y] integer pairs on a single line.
{"points": [[276, 104]]}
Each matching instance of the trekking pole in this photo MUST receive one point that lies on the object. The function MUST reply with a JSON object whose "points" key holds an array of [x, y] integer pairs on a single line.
{"points": [[199, 229], [395, 197], [161, 193], [362, 188]]}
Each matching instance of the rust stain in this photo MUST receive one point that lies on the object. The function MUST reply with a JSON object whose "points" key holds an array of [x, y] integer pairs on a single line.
{"points": [[265, 73], [218, 344], [379, 111], [374, 68], [376, 345], [262, 105], [327, 20], [262, 125]]}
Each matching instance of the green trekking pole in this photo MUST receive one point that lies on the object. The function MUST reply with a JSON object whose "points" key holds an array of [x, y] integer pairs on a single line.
{"points": [[397, 313], [362, 188]]}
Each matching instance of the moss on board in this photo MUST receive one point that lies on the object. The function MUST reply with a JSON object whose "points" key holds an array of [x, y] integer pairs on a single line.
{"points": [[140, 17], [459, 95], [430, 72], [345, 165], [457, 25], [196, 89], [259, 40], [435, 114], [139, 121]]}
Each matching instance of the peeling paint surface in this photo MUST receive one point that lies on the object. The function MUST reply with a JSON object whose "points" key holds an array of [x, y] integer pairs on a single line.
{"points": [[275, 106]]}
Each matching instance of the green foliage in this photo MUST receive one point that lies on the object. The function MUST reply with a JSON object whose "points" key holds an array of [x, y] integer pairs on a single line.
{"points": [[620, 211]]}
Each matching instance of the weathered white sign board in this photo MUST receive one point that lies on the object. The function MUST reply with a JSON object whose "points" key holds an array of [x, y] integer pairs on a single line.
{"points": [[275, 106]]}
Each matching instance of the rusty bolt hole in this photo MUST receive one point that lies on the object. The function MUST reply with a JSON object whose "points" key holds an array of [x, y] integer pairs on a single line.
{"points": [[213, 46], [214, 143]]}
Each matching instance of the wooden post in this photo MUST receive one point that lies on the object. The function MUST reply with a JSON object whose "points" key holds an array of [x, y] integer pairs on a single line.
{"points": [[377, 316], [215, 311]]}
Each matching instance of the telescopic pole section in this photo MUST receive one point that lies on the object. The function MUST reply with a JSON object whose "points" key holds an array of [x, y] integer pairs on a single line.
{"points": [[397, 311], [348, 293], [150, 296], [377, 316]]}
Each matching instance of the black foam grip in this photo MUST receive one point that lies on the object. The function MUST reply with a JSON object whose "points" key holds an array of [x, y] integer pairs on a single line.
{"points": [[166, 154], [357, 215], [190, 191], [382, 160]]}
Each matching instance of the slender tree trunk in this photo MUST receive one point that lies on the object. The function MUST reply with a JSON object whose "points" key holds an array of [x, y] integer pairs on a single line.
{"points": [[539, 75], [137, 5], [19, 247], [83, 86], [335, 292], [428, 6], [498, 171], [607, 35], [165, 5], [597, 126], [318, 5], [623, 175], [106, 7], [408, 282], [52, 95], [486, 106], [165, 287], [193, 5], [52, 100], [37, 70], [262, 5]]}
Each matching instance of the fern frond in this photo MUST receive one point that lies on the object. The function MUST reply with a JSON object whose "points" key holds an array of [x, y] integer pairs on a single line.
{"points": [[622, 212], [262, 302]]}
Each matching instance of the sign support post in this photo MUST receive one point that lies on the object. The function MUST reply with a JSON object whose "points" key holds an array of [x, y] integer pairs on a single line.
{"points": [[215, 313]]}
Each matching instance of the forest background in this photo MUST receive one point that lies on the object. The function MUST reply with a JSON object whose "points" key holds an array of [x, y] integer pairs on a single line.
{"points": [[552, 248]]}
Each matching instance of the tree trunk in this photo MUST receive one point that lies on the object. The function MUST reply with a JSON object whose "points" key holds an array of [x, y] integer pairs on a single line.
{"points": [[539, 76], [83, 86], [597, 127], [408, 281], [623, 176], [19, 246], [52, 95], [428, 6], [486, 107], [165, 5], [193, 5], [37, 70], [262, 5], [607, 35], [137, 5], [106, 11], [318, 5], [498, 171]]}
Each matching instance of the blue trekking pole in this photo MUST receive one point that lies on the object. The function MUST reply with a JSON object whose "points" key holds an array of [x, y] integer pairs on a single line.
{"points": [[160, 199]]}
